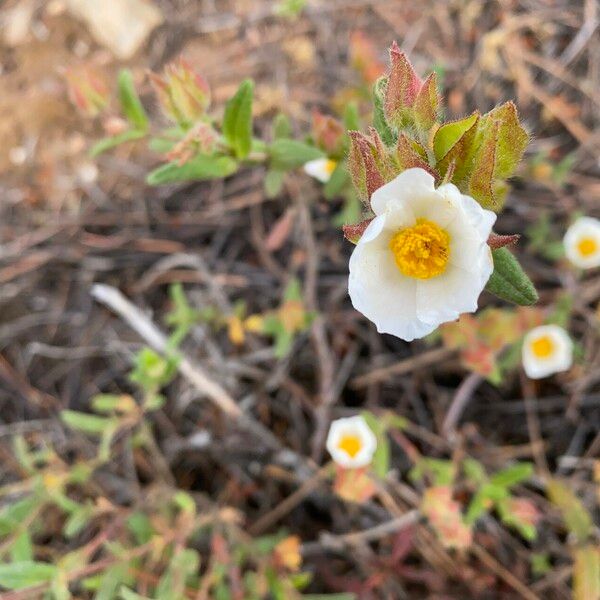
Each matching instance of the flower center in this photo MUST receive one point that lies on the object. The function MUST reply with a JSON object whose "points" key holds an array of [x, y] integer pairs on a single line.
{"points": [[543, 347], [351, 444], [330, 166], [587, 246], [421, 251]]}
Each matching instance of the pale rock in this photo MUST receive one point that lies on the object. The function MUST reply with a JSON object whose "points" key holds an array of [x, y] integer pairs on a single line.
{"points": [[120, 25]]}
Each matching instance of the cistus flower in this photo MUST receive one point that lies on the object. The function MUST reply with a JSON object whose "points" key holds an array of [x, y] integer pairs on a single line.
{"points": [[320, 168], [183, 94], [582, 243], [547, 349], [351, 442], [423, 260]]}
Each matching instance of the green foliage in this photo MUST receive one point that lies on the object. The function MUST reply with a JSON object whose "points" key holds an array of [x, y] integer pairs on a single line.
{"points": [[182, 317], [290, 154], [24, 574], [200, 168], [112, 142], [237, 120], [130, 103], [290, 9], [151, 371], [509, 281], [388, 135], [577, 519]]}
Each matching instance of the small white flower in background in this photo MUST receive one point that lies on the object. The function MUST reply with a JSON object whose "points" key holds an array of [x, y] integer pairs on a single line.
{"points": [[320, 168], [547, 349], [351, 442], [582, 243], [424, 259]]}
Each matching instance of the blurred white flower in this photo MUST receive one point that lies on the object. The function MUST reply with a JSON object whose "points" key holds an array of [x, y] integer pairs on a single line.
{"points": [[582, 243], [424, 259], [351, 442], [547, 349], [320, 168]]}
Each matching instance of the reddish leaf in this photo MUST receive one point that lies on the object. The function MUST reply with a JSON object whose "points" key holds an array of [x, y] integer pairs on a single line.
{"points": [[353, 233]]}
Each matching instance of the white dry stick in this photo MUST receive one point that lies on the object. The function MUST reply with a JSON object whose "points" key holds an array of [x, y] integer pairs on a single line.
{"points": [[139, 322]]}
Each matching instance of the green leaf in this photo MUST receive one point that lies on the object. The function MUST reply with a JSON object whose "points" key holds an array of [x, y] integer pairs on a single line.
{"points": [[21, 549], [237, 120], [426, 106], [351, 117], [199, 168], [449, 134], [116, 140], [512, 475], [577, 519], [474, 470], [290, 154], [586, 573], [141, 527], [85, 422], [111, 581], [273, 182], [127, 594], [24, 574], [130, 102], [13, 515], [512, 139], [337, 182], [509, 281], [282, 128], [78, 519], [379, 121]]}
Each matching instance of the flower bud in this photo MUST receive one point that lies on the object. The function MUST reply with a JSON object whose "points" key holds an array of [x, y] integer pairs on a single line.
{"points": [[87, 91], [183, 94], [327, 133], [403, 85]]}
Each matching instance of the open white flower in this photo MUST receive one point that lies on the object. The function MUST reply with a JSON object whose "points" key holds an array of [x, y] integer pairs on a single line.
{"points": [[351, 442], [320, 168], [582, 243], [424, 259], [547, 349]]}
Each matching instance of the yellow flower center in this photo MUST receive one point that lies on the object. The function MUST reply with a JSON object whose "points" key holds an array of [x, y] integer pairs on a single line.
{"points": [[350, 444], [421, 251], [587, 246], [330, 166], [543, 347]]}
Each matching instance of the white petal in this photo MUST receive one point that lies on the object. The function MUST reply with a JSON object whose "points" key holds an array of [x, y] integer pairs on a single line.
{"points": [[445, 298], [480, 219], [584, 227], [409, 184], [318, 168], [380, 292], [561, 358]]}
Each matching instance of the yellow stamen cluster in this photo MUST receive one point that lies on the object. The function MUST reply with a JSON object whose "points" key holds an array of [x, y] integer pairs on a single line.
{"points": [[421, 251], [350, 444], [587, 246], [542, 347], [330, 166]]}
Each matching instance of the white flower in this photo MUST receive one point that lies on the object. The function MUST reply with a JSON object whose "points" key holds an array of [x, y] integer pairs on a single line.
{"points": [[546, 350], [424, 259], [320, 168], [582, 243], [351, 442]]}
